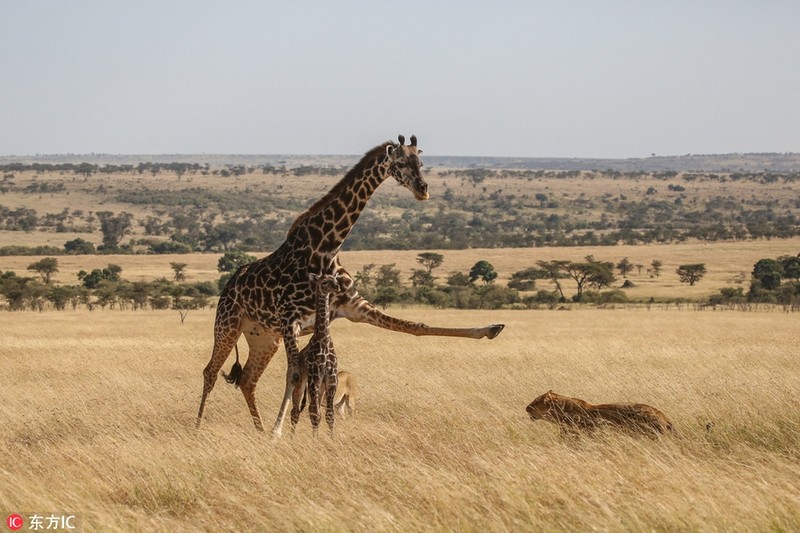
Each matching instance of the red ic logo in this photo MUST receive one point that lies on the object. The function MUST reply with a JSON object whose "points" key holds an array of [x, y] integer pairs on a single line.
{"points": [[14, 522]]}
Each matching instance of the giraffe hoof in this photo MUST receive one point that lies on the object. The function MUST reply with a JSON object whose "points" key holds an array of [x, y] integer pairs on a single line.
{"points": [[495, 329]]}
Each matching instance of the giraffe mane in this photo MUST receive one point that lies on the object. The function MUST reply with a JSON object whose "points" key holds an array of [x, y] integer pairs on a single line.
{"points": [[359, 167]]}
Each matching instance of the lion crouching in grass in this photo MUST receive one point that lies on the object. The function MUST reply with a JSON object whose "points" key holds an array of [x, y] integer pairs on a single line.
{"points": [[574, 415]]}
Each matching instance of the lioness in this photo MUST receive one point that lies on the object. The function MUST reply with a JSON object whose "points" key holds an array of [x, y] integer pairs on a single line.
{"points": [[346, 394], [573, 414]]}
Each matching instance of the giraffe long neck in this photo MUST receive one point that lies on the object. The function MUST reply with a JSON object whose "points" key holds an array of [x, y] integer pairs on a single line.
{"points": [[328, 222], [322, 321]]}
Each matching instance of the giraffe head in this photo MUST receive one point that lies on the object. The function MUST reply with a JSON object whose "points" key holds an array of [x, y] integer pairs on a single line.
{"points": [[405, 166]]}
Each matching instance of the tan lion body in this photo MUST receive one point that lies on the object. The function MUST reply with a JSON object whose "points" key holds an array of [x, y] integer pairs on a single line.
{"points": [[573, 414], [346, 394]]}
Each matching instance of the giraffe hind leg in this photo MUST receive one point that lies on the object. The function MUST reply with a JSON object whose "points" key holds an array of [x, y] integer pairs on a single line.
{"points": [[222, 349], [261, 352]]}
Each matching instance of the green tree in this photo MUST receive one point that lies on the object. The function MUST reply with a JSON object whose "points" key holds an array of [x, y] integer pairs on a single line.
{"points": [[484, 271], [45, 267], [421, 278], [625, 267], [91, 280], [114, 228], [230, 261], [691, 273], [791, 266], [768, 273], [179, 270], [79, 246], [388, 288], [656, 265], [525, 280], [458, 279]]}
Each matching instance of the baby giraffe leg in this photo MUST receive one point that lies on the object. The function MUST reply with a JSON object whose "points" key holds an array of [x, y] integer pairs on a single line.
{"points": [[330, 393]]}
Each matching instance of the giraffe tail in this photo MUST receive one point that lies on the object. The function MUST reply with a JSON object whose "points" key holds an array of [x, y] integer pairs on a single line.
{"points": [[236, 371]]}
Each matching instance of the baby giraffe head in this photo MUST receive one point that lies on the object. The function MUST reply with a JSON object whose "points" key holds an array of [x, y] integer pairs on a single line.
{"points": [[325, 283]]}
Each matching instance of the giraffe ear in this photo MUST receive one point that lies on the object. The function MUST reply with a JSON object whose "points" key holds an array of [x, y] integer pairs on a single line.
{"points": [[390, 148]]}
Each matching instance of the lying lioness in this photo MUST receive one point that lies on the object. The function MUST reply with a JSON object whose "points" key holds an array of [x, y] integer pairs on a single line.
{"points": [[572, 414]]}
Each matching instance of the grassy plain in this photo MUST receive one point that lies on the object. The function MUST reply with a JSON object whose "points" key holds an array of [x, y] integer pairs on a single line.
{"points": [[97, 418]]}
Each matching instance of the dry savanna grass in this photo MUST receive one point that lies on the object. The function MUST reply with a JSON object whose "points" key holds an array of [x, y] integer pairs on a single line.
{"points": [[97, 418]]}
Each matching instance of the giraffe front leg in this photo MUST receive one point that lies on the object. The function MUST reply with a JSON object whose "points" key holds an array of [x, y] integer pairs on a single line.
{"points": [[290, 334]]}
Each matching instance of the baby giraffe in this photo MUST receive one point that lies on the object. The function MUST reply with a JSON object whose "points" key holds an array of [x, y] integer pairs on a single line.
{"points": [[317, 359]]}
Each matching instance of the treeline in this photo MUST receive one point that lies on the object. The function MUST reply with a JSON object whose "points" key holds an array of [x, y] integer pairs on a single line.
{"points": [[590, 281], [773, 281], [104, 289], [467, 213], [154, 168]]}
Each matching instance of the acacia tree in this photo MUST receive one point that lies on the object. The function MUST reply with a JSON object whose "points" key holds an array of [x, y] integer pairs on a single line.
{"points": [[180, 271], [45, 267], [590, 273], [656, 265], [691, 273], [554, 271], [424, 277], [430, 260], [625, 267]]}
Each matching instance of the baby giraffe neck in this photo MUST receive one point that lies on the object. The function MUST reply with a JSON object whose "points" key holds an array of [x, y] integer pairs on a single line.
{"points": [[323, 314]]}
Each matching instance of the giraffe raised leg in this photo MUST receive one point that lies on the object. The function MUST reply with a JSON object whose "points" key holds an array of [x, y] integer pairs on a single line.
{"points": [[360, 310]]}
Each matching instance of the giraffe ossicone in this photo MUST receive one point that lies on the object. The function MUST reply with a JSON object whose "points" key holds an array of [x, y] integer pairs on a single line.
{"points": [[273, 299]]}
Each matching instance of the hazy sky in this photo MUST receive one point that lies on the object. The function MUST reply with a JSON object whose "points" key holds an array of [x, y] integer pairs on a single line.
{"points": [[502, 78]]}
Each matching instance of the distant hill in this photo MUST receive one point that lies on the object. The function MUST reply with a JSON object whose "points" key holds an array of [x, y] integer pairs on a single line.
{"points": [[753, 162]]}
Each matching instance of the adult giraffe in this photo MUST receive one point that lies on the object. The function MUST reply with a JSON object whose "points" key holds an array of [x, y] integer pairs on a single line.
{"points": [[272, 298]]}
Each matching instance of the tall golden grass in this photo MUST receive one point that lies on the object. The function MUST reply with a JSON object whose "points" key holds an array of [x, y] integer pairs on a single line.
{"points": [[97, 418]]}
